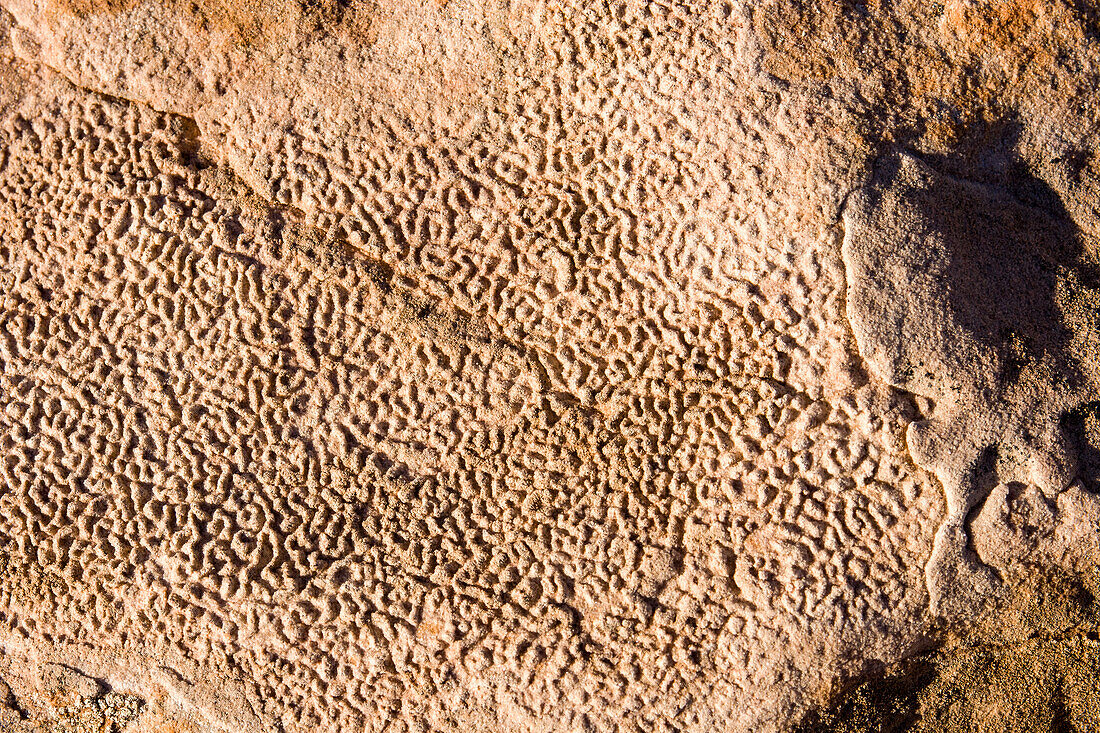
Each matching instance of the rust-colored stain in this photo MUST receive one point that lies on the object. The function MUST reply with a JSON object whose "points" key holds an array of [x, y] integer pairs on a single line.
{"points": [[958, 55]]}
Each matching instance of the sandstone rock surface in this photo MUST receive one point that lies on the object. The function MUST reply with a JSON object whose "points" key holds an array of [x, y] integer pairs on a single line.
{"points": [[514, 365]]}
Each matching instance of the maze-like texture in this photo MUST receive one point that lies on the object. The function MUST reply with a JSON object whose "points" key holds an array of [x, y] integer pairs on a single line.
{"points": [[541, 412]]}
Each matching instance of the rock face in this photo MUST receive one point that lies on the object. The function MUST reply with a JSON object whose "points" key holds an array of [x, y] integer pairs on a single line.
{"points": [[1035, 669], [971, 295], [531, 365]]}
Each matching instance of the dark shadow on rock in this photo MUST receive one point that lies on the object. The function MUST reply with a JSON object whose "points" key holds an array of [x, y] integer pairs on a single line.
{"points": [[875, 704], [1010, 239], [1082, 428], [1088, 13]]}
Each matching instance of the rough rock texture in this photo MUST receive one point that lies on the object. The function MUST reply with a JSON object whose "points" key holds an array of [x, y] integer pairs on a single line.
{"points": [[970, 295], [540, 366], [1037, 669]]}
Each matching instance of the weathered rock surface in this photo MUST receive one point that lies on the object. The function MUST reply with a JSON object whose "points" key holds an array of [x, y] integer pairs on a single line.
{"points": [[533, 366]]}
